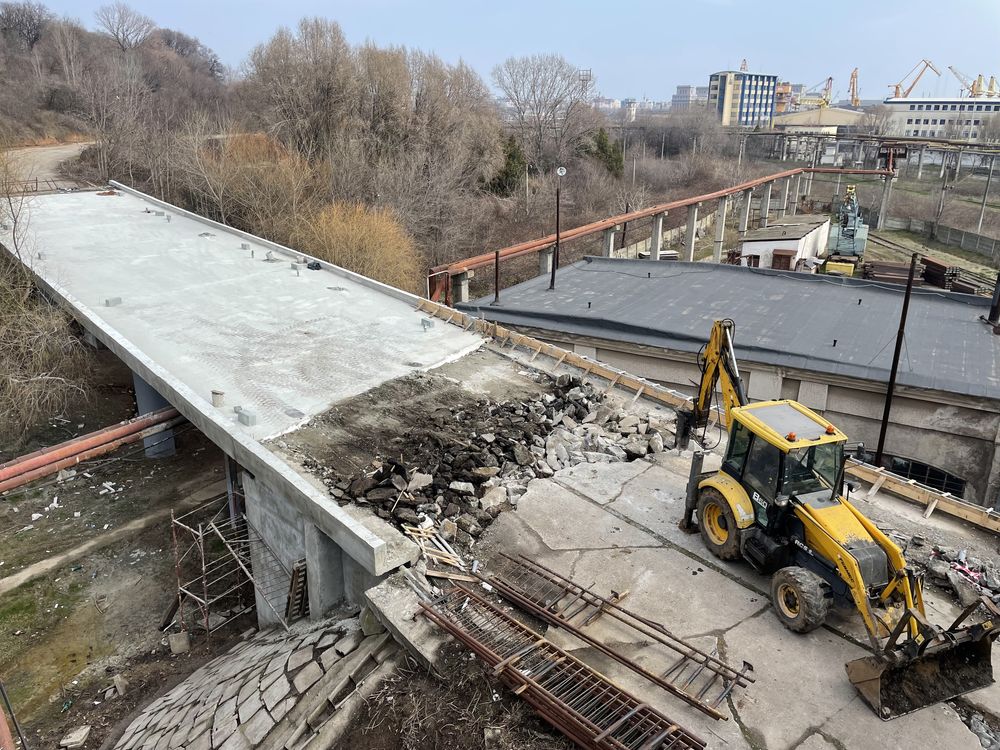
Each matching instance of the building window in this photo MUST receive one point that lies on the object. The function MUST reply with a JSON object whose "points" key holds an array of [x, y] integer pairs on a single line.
{"points": [[952, 107], [961, 107], [975, 134], [913, 106], [979, 108], [923, 132], [937, 107], [920, 106], [933, 122], [975, 122], [923, 473], [909, 120]]}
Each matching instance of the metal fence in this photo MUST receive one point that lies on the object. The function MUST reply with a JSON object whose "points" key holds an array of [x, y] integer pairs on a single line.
{"points": [[976, 243]]}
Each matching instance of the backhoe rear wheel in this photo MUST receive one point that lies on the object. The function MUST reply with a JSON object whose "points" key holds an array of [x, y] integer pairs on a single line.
{"points": [[800, 599], [717, 523]]}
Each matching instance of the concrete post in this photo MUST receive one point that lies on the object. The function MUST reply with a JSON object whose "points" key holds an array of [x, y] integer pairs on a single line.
{"points": [[692, 228], [883, 209], [784, 148], [944, 161], [608, 242], [783, 207], [958, 164], [745, 213], [324, 572], [460, 287], [765, 205], [656, 238], [986, 193], [795, 195], [720, 228], [545, 261], [147, 400], [920, 161]]}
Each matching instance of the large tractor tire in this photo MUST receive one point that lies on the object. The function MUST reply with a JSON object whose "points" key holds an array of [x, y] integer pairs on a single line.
{"points": [[717, 523], [801, 599]]}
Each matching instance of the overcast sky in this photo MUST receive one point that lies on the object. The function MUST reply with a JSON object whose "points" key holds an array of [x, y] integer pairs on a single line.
{"points": [[642, 48]]}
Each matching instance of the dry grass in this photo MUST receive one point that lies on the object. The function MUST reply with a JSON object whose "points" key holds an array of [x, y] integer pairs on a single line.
{"points": [[368, 241]]}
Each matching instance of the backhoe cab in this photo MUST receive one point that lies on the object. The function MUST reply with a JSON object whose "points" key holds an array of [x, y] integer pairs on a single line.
{"points": [[777, 503]]}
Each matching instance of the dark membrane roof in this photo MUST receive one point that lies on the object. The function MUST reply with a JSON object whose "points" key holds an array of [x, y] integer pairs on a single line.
{"points": [[783, 318]]}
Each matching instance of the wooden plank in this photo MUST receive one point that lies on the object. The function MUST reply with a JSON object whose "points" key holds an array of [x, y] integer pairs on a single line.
{"points": [[451, 576], [910, 490], [930, 508]]}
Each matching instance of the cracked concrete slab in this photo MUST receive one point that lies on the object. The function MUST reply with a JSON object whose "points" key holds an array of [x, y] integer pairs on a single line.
{"points": [[600, 482], [565, 520], [626, 537]]}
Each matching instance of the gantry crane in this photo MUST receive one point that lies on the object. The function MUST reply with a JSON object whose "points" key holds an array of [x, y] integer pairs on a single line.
{"points": [[743, 66], [821, 98], [899, 91], [855, 99]]}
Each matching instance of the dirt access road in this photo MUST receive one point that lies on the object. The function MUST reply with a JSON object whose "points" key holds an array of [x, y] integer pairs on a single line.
{"points": [[43, 162]]}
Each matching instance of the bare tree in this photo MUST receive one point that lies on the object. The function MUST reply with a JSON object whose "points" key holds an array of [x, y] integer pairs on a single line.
{"points": [[989, 130], [114, 96], [24, 22], [549, 103], [40, 358], [878, 120], [67, 36], [126, 26]]}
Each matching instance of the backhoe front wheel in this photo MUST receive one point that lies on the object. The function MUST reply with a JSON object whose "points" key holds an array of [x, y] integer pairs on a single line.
{"points": [[800, 599], [717, 523]]}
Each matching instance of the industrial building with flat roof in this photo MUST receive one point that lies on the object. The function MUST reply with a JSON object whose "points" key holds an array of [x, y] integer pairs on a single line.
{"points": [[824, 341], [940, 117], [742, 99]]}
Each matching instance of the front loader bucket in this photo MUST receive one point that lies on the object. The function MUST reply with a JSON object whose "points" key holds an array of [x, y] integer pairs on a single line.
{"points": [[937, 675]]}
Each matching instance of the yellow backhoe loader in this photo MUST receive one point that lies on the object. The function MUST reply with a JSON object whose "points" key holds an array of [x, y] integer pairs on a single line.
{"points": [[778, 503]]}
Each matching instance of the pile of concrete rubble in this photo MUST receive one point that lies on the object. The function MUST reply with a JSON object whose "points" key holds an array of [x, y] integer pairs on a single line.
{"points": [[478, 461], [969, 577]]}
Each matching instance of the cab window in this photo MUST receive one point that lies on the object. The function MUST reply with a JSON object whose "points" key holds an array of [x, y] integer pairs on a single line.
{"points": [[763, 466], [739, 442]]}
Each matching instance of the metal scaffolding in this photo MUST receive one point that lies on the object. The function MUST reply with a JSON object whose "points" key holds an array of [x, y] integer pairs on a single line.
{"points": [[224, 569]]}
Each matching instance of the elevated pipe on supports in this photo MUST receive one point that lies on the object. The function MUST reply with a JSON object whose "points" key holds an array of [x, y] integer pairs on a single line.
{"points": [[94, 452], [45, 456]]}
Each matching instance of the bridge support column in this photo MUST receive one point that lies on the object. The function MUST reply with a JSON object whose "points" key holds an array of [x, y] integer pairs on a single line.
{"points": [[747, 199], [765, 205], [147, 400], [545, 258], [692, 230], [795, 195], [783, 206], [608, 242], [720, 228], [460, 287], [656, 237]]}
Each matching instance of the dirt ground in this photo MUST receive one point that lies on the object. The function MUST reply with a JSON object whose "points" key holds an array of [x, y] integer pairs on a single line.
{"points": [[463, 708], [65, 634]]}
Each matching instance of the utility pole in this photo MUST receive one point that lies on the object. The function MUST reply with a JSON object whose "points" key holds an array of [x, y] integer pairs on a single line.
{"points": [[526, 190], [986, 192], [663, 141], [895, 360], [560, 173], [633, 171]]}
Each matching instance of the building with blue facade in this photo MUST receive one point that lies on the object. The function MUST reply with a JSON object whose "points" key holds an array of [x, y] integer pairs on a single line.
{"points": [[742, 99]]}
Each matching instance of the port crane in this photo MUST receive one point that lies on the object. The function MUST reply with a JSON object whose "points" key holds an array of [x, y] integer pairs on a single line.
{"points": [[978, 86], [899, 92], [855, 99], [820, 98]]}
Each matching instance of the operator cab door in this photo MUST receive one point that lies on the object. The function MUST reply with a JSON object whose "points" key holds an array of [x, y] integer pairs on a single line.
{"points": [[756, 464]]}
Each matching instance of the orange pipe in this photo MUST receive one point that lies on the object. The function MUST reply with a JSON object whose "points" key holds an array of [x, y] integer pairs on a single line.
{"points": [[524, 248], [6, 739], [45, 456], [99, 450]]}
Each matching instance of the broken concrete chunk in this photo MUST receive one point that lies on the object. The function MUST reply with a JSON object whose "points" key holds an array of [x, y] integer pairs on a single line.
{"points": [[656, 443], [468, 524], [349, 642], [418, 481], [522, 455], [447, 529], [179, 643], [464, 488], [485, 472], [370, 624], [121, 684], [493, 498], [76, 738]]}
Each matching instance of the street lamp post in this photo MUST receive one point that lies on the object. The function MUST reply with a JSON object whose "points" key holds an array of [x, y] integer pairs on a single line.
{"points": [[560, 173]]}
